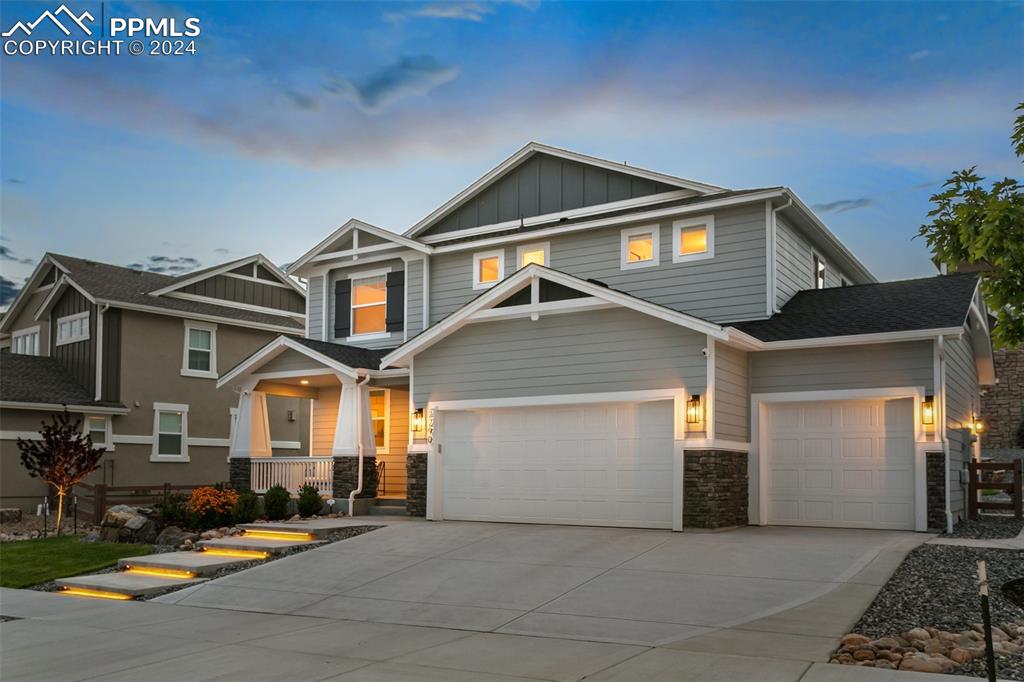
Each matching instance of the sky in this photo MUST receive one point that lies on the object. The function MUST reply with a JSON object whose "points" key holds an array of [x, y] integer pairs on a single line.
{"points": [[293, 117]]}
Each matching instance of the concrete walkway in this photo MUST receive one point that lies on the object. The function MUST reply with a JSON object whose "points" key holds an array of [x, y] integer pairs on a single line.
{"points": [[1008, 543], [462, 601]]}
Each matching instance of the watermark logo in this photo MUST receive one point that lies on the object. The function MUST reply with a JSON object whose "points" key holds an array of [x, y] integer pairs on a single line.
{"points": [[79, 21]]}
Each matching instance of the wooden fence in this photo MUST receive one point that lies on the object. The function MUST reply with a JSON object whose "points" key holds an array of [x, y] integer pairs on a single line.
{"points": [[1015, 487], [94, 500]]}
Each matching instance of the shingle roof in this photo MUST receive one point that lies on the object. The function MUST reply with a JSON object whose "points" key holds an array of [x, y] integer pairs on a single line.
{"points": [[350, 356], [126, 285], [34, 379], [913, 304], [599, 216]]}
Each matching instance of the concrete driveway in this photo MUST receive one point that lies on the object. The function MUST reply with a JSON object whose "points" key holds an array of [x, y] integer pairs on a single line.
{"points": [[418, 600]]}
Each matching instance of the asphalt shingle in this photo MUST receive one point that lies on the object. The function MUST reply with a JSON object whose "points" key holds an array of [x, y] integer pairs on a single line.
{"points": [[35, 379]]}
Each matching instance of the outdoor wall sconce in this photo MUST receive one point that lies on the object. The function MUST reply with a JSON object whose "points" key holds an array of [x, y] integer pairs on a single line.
{"points": [[694, 410], [977, 425], [928, 411], [418, 421]]}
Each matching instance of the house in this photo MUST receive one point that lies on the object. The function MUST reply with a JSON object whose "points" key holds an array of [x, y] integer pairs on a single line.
{"points": [[573, 340], [136, 356]]}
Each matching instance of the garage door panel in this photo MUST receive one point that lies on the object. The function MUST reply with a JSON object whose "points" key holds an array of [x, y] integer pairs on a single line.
{"points": [[817, 480]]}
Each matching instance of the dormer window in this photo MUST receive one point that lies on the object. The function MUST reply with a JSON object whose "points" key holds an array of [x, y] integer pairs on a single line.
{"points": [[693, 239], [639, 247], [488, 269], [818, 272], [533, 253]]}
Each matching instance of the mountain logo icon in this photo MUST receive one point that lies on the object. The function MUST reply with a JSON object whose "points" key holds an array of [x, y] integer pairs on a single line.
{"points": [[76, 20]]}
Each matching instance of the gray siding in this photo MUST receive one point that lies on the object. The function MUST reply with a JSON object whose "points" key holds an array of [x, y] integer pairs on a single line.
{"points": [[605, 350], [882, 365], [111, 355], [340, 273], [794, 262], [249, 292], [414, 297], [290, 361], [732, 394], [962, 401], [730, 286], [79, 358], [315, 307], [544, 184]]}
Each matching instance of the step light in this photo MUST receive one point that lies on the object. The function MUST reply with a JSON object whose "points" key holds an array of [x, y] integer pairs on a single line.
{"points": [[94, 594], [278, 534], [161, 572], [238, 553]]}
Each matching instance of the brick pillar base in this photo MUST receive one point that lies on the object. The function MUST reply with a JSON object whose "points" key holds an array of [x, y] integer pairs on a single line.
{"points": [[346, 474], [935, 474], [715, 493], [416, 485], [240, 472]]}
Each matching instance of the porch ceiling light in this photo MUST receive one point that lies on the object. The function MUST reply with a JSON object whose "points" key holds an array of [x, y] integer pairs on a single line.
{"points": [[694, 410], [304, 382], [928, 411]]}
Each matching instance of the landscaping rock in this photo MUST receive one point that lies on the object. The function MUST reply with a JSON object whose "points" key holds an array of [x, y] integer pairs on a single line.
{"points": [[853, 639], [174, 536], [960, 656], [10, 515], [920, 665]]}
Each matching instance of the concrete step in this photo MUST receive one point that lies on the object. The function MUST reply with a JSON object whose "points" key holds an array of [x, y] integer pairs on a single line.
{"points": [[120, 585], [297, 530], [267, 546], [197, 564], [391, 502], [387, 511]]}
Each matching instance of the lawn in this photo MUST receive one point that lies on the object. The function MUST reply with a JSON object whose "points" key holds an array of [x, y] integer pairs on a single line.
{"points": [[30, 562]]}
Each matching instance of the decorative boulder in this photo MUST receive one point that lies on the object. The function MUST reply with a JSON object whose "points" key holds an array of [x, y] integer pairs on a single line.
{"points": [[173, 536]]}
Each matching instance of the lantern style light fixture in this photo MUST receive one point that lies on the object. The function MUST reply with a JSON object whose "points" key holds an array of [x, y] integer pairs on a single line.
{"points": [[418, 421], [928, 410], [977, 425], [694, 410]]}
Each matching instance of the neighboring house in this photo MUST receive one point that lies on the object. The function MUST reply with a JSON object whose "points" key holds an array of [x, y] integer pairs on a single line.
{"points": [[1003, 407], [572, 340], [136, 356]]}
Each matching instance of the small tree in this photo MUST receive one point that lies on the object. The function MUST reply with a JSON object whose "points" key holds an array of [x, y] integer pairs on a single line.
{"points": [[62, 457]]}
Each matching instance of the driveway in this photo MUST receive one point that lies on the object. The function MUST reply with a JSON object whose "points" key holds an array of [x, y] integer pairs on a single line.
{"points": [[418, 600]]}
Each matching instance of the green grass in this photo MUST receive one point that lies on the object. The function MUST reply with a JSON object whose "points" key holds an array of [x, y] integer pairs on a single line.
{"points": [[30, 562]]}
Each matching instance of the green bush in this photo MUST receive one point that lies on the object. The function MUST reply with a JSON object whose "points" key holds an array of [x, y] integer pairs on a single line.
{"points": [[247, 508], [310, 501], [174, 511], [275, 503]]}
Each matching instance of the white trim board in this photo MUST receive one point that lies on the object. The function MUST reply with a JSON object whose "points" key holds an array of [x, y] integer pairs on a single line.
{"points": [[224, 268], [352, 224], [91, 409], [235, 304]]}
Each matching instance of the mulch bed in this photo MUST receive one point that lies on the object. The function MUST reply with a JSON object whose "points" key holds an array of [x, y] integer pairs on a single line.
{"points": [[988, 527]]}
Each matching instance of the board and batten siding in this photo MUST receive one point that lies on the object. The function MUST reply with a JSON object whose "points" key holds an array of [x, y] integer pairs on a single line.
{"points": [[315, 307], [730, 286], [390, 341], [111, 352], [249, 292], [732, 394], [414, 297], [883, 365], [794, 262], [962, 401], [79, 357], [591, 352]]}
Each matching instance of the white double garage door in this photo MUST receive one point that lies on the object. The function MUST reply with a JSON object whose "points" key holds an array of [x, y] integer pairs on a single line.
{"points": [[840, 463]]}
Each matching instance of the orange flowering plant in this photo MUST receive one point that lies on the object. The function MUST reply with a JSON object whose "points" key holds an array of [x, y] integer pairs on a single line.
{"points": [[212, 505]]}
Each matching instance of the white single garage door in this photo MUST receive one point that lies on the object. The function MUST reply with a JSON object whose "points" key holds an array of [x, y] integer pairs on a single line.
{"points": [[597, 464], [848, 464]]}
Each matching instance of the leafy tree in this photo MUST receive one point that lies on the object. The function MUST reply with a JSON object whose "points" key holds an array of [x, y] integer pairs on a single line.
{"points": [[62, 457], [985, 227]]}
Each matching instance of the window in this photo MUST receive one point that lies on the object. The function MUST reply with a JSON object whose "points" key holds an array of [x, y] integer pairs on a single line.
{"points": [[533, 253], [369, 305], [379, 404], [25, 341], [73, 328], [640, 247], [488, 269], [200, 354], [693, 239], [170, 432], [98, 428], [818, 272]]}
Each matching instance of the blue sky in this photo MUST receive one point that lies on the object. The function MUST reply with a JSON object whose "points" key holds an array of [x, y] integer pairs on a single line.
{"points": [[294, 117]]}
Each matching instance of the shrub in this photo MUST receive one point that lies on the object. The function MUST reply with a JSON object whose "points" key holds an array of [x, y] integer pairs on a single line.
{"points": [[247, 508], [275, 503], [174, 511], [310, 501], [212, 506]]}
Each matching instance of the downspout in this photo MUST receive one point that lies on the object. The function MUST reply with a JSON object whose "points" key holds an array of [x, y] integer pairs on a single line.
{"points": [[359, 444], [100, 309], [773, 254], [941, 390]]}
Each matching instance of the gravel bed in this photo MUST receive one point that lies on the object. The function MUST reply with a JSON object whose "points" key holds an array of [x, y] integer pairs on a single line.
{"points": [[988, 527], [936, 585]]}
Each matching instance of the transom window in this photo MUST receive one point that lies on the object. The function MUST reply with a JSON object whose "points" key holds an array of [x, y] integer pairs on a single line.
{"points": [[170, 432], [533, 253], [200, 353], [488, 269], [818, 272], [693, 239], [73, 328], [379, 417], [639, 247], [25, 341], [369, 305]]}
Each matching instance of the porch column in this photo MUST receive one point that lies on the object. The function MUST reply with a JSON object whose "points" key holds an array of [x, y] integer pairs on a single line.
{"points": [[251, 437], [346, 441]]}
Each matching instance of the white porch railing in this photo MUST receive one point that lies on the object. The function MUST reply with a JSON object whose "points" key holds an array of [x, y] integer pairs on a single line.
{"points": [[293, 473]]}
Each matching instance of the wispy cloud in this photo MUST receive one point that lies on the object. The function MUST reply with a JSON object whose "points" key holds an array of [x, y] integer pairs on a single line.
{"points": [[8, 255], [843, 205], [222, 250], [166, 265], [919, 55], [8, 291], [16, 181], [408, 77], [458, 11]]}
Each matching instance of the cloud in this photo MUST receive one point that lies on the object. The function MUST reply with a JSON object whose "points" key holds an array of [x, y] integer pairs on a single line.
{"points": [[302, 100], [408, 77], [843, 205], [166, 265], [16, 181], [457, 11], [919, 55], [222, 250], [8, 291], [8, 255]]}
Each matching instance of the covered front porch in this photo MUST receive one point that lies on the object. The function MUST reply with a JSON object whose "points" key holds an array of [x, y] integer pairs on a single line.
{"points": [[358, 423]]}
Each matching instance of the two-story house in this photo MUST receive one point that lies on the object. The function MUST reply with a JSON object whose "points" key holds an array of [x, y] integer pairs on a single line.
{"points": [[572, 340], [136, 356]]}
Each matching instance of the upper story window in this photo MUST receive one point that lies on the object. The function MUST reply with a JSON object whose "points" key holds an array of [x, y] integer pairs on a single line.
{"points": [[170, 432], [369, 305], [640, 247], [693, 239], [488, 269], [25, 341], [200, 354], [818, 272], [72, 328], [533, 253], [98, 428]]}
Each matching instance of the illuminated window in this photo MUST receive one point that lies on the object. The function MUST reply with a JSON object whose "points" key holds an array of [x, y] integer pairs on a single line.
{"points": [[379, 417], [533, 253], [818, 272], [488, 269], [369, 305], [693, 239], [639, 247]]}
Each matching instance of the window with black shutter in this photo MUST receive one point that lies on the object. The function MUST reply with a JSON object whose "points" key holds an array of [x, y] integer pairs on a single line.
{"points": [[396, 301]]}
